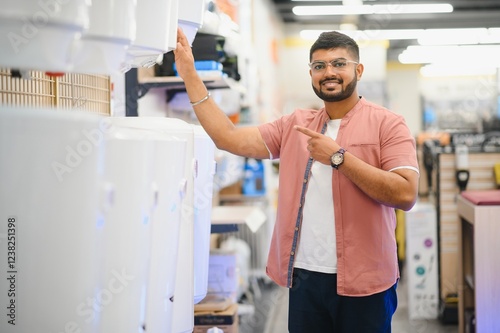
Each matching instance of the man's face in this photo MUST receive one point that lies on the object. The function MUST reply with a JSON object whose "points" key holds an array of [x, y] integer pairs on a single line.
{"points": [[334, 74]]}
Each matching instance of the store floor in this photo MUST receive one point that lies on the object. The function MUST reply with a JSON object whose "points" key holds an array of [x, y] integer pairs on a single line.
{"points": [[270, 313]]}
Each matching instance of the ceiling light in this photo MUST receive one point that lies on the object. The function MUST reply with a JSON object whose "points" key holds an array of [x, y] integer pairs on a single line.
{"points": [[363, 35], [452, 36], [460, 36], [438, 70], [374, 9], [332, 10], [462, 55], [424, 36]]}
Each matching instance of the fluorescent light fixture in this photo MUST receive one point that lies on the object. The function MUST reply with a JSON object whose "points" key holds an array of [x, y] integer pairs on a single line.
{"points": [[332, 10], [364, 35], [461, 55], [424, 36], [373, 9], [452, 36], [438, 70], [460, 36]]}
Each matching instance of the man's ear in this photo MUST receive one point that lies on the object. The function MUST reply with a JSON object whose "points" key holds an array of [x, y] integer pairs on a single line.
{"points": [[359, 71]]}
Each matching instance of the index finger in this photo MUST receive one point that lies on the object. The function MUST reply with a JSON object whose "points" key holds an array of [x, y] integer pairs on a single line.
{"points": [[181, 37], [307, 131]]}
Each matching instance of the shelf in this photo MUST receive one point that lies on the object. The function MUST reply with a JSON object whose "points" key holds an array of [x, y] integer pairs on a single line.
{"points": [[140, 80], [223, 228], [177, 84], [146, 77], [241, 198], [252, 216]]}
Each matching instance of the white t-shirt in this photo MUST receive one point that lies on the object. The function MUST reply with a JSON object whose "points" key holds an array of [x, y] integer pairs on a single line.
{"points": [[317, 245]]}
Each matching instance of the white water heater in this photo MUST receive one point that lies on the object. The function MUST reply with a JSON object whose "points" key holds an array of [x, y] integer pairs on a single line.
{"points": [[129, 202], [39, 34], [156, 19], [102, 47], [191, 17], [204, 151], [183, 300], [50, 229], [168, 174]]}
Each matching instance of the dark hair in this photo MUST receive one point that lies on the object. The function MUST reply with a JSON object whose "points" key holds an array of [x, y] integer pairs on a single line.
{"points": [[332, 40]]}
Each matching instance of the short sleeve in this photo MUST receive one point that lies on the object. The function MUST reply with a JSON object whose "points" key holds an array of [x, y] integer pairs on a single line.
{"points": [[398, 148]]}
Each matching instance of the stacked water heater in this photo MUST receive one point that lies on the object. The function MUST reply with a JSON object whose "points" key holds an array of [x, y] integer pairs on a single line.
{"points": [[40, 34], [103, 37], [102, 46], [151, 42], [51, 226], [104, 218], [157, 255], [196, 188]]}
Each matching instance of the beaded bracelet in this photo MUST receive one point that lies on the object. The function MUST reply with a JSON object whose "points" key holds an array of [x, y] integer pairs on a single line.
{"points": [[201, 100]]}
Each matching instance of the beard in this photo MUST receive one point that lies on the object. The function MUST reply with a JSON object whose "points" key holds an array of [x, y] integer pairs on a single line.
{"points": [[337, 96]]}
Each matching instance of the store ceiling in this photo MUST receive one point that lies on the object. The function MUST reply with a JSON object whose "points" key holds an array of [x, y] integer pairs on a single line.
{"points": [[466, 14]]}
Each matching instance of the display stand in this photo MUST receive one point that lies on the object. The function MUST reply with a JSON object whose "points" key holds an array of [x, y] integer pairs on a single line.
{"points": [[479, 267]]}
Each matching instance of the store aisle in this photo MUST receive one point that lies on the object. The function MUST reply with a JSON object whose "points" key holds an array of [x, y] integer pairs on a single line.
{"points": [[271, 313]]}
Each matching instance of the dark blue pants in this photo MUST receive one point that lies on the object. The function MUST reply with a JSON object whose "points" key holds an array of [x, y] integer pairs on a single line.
{"points": [[315, 307]]}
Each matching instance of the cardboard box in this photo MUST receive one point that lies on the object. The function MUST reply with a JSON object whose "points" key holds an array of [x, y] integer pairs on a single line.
{"points": [[226, 320], [222, 274]]}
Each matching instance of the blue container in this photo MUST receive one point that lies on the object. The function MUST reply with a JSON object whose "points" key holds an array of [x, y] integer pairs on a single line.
{"points": [[253, 181]]}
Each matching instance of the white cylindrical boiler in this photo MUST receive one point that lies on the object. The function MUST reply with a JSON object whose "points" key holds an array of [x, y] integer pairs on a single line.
{"points": [[191, 17], [102, 47], [156, 19], [168, 175], [49, 207], [204, 152], [128, 203], [38, 34]]}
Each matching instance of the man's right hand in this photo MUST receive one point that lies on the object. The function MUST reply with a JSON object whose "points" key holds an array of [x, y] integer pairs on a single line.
{"points": [[184, 59]]}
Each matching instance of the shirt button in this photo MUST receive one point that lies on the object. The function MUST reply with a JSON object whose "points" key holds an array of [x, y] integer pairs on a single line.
{"points": [[296, 228], [305, 180], [292, 253]]}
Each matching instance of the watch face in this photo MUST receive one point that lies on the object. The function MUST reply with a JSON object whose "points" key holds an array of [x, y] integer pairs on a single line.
{"points": [[337, 158]]}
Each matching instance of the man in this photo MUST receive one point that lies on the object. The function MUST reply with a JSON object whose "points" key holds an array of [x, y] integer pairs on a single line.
{"points": [[343, 171]]}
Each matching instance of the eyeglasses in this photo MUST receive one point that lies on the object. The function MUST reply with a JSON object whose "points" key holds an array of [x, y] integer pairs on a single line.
{"points": [[338, 65]]}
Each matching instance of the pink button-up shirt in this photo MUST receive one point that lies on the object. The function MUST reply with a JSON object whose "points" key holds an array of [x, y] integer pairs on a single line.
{"points": [[365, 229]]}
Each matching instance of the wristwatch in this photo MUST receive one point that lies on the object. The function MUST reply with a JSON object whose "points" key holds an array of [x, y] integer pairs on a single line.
{"points": [[338, 158]]}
